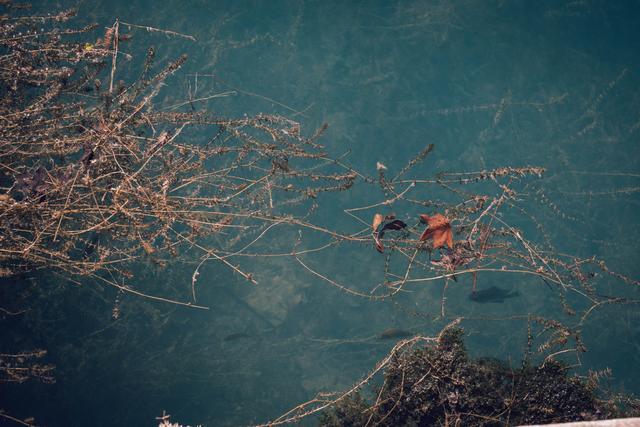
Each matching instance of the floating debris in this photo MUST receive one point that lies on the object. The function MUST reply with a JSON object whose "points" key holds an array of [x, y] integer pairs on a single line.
{"points": [[438, 229], [381, 224], [377, 220]]}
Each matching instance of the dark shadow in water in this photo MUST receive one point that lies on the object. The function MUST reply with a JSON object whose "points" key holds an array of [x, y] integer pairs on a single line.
{"points": [[493, 294]]}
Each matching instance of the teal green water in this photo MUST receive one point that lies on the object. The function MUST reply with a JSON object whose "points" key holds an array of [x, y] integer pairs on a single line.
{"points": [[389, 78]]}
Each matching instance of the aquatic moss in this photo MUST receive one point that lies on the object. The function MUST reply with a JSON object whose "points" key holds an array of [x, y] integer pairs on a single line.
{"points": [[440, 385]]}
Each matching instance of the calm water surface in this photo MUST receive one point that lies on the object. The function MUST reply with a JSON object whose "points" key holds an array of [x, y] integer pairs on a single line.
{"points": [[389, 78]]}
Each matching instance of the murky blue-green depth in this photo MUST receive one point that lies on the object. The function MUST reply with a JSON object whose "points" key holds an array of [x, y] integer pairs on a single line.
{"points": [[389, 78]]}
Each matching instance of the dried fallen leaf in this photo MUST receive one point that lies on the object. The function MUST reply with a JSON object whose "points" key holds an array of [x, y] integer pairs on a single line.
{"points": [[438, 229], [377, 220], [384, 223]]}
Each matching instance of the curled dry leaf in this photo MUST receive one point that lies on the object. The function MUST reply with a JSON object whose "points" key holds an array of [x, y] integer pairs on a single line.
{"points": [[377, 220], [381, 224]]}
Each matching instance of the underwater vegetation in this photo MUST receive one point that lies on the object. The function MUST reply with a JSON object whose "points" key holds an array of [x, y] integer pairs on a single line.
{"points": [[440, 385]]}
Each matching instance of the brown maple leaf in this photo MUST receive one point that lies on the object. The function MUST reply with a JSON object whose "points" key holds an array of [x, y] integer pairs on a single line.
{"points": [[438, 229]]}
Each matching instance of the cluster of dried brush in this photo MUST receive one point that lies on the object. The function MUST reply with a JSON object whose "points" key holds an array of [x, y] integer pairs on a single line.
{"points": [[94, 178]]}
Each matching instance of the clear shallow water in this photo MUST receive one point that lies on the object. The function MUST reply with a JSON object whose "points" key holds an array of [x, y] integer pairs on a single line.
{"points": [[388, 78]]}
